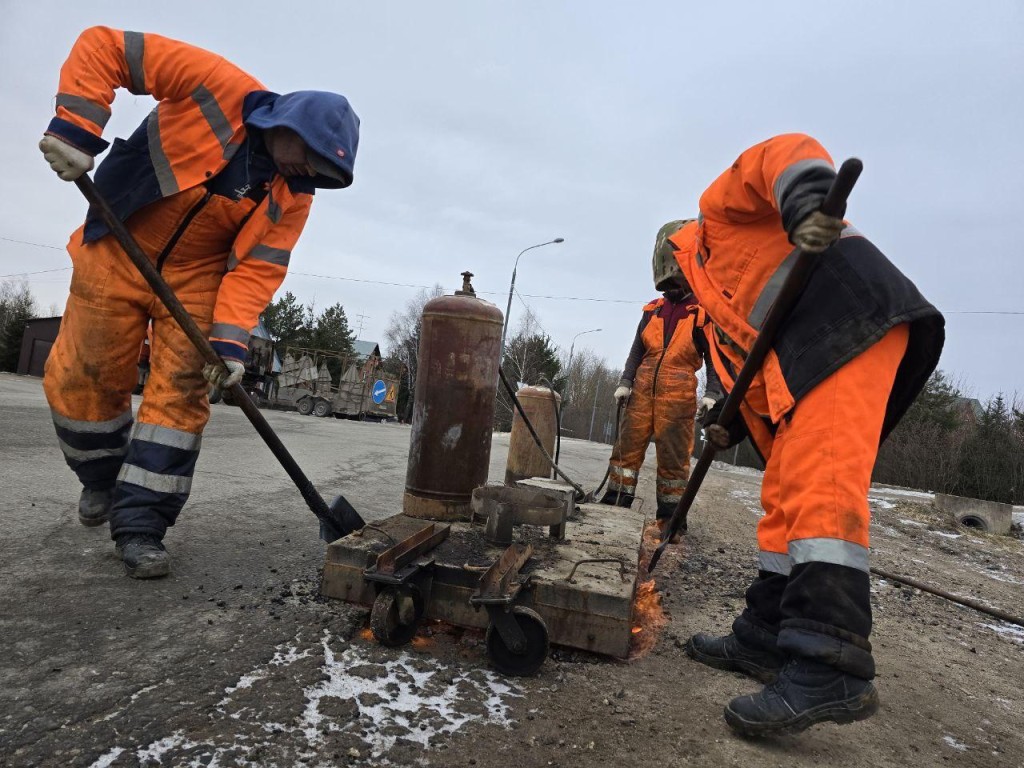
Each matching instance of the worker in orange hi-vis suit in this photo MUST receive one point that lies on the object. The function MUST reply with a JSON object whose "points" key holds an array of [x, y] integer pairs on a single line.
{"points": [[844, 367], [658, 388], [215, 184]]}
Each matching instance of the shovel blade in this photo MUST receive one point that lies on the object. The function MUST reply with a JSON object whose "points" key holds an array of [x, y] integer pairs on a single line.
{"points": [[343, 520]]}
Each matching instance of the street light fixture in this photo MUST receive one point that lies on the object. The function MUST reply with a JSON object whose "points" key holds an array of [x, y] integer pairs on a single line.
{"points": [[511, 289], [568, 365]]}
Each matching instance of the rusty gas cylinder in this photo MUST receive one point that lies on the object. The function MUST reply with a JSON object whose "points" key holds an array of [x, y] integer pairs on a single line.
{"points": [[524, 457], [453, 410]]}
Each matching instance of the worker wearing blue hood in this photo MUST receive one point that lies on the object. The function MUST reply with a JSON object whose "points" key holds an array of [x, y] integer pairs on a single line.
{"points": [[216, 185]]}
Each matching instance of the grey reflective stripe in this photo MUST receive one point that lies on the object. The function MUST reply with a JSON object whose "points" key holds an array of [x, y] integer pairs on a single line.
{"points": [[700, 218], [274, 211], [614, 485], [162, 166], [775, 562], [664, 499], [231, 149], [173, 438], [624, 472], [785, 179], [82, 107], [829, 551], [78, 454], [850, 231], [134, 48], [214, 116], [277, 256], [154, 481], [232, 261], [229, 332], [771, 291], [98, 427]]}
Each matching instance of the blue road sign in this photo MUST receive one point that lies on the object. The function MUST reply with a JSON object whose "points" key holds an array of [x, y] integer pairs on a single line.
{"points": [[379, 391]]}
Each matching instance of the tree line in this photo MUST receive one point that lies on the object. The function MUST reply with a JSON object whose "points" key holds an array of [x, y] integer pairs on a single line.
{"points": [[17, 307]]}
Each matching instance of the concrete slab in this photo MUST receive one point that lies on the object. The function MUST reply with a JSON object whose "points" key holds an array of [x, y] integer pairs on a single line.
{"points": [[592, 610]]}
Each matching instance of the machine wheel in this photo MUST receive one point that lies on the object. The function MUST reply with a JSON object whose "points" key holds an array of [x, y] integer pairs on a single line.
{"points": [[305, 406], [396, 614], [321, 408], [530, 660]]}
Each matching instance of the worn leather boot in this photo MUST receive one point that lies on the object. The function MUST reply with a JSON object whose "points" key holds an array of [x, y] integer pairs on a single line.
{"points": [[805, 693], [143, 555], [731, 654], [94, 507]]}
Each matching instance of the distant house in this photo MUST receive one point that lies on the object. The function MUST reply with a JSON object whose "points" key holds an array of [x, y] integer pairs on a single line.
{"points": [[368, 353], [40, 333], [970, 409]]}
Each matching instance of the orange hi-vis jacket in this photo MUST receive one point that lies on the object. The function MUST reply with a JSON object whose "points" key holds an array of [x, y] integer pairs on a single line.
{"points": [[195, 129], [737, 264]]}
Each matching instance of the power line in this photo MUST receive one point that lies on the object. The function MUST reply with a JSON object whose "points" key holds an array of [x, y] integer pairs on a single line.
{"points": [[486, 293], [39, 272]]}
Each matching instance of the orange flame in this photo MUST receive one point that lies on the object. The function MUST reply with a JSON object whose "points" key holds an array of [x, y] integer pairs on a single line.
{"points": [[648, 614]]}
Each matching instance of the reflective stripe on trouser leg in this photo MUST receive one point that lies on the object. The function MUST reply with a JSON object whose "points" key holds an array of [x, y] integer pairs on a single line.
{"points": [[674, 406], [94, 449], [155, 480], [621, 479]]}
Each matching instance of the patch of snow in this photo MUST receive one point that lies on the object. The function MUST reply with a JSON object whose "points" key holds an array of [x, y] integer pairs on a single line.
{"points": [[103, 761], [945, 535], [916, 523], [280, 659], [722, 466], [1018, 516], [907, 493], [424, 715], [959, 746], [1011, 631]]}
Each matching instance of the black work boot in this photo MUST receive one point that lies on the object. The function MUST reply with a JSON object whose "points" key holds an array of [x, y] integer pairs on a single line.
{"points": [[94, 507], [617, 498], [143, 555], [805, 692], [731, 654]]}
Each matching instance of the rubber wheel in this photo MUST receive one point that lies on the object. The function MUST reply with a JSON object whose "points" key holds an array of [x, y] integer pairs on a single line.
{"points": [[520, 664], [322, 408], [386, 617], [305, 406]]}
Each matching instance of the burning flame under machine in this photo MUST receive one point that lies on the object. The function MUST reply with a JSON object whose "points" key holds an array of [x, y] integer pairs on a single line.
{"points": [[525, 560]]}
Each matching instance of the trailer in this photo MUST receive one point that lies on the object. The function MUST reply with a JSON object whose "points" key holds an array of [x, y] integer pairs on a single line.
{"points": [[322, 383]]}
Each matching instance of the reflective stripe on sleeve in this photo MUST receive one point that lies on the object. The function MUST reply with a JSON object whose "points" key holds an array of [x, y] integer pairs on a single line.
{"points": [[229, 332], [770, 291], [173, 438], [154, 481], [775, 562], [786, 179], [215, 117], [134, 48], [90, 110], [270, 255], [274, 211], [162, 166], [825, 550]]}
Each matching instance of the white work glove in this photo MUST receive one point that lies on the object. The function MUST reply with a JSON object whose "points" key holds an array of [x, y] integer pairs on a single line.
{"points": [[816, 233], [67, 162], [224, 376], [622, 393], [705, 405]]}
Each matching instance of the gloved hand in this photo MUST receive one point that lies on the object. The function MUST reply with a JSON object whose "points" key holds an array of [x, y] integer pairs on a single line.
{"points": [[67, 162], [816, 232], [622, 393], [224, 376], [723, 437], [705, 405]]}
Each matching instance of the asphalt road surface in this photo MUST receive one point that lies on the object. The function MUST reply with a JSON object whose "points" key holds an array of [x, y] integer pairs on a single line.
{"points": [[235, 660]]}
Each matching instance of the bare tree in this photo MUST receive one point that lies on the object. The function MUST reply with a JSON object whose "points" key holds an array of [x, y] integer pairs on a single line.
{"points": [[402, 344]]}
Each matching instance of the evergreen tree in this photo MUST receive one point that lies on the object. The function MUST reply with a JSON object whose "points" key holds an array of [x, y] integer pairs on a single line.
{"points": [[17, 306]]}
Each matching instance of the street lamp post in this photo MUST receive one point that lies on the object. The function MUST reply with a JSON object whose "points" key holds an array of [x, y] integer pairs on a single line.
{"points": [[568, 365], [593, 413], [511, 289]]}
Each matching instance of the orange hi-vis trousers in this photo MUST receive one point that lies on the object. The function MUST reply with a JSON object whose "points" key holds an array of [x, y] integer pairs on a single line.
{"points": [[816, 481], [92, 367]]}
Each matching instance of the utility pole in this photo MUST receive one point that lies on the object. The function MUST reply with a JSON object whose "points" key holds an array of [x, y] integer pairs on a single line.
{"points": [[593, 413], [362, 319], [511, 289]]}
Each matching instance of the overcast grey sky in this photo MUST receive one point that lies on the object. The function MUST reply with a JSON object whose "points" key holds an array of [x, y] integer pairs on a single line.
{"points": [[488, 127]]}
